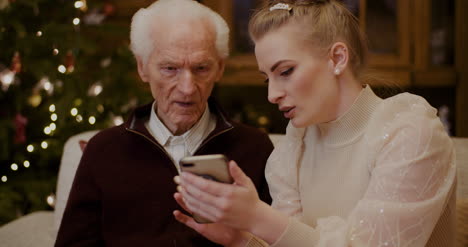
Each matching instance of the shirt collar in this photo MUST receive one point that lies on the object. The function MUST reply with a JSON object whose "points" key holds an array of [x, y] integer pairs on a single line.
{"points": [[193, 137]]}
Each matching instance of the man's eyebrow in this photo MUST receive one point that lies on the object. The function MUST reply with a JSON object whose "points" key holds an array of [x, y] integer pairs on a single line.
{"points": [[166, 63], [205, 62]]}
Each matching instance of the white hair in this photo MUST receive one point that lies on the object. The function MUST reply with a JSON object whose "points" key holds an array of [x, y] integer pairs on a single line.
{"points": [[141, 40]]}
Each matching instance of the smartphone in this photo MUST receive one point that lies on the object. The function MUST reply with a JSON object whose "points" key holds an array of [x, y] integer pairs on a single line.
{"points": [[213, 167]]}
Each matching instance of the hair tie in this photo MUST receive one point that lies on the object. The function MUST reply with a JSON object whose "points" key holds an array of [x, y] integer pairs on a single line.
{"points": [[281, 6]]}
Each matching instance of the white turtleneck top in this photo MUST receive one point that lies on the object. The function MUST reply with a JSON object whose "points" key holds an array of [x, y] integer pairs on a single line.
{"points": [[383, 174]]}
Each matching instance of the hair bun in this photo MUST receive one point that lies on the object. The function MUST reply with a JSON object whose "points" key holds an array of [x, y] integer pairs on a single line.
{"points": [[273, 2]]}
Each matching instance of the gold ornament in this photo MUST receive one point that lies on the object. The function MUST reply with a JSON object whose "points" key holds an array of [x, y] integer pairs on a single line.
{"points": [[35, 100]]}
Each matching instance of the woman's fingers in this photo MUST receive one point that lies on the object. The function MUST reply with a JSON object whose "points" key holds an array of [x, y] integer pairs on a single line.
{"points": [[180, 200], [181, 217], [206, 210], [188, 221], [200, 194], [208, 186], [238, 175]]}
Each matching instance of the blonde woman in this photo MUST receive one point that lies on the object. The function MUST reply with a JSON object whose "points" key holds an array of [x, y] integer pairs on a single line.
{"points": [[353, 169]]}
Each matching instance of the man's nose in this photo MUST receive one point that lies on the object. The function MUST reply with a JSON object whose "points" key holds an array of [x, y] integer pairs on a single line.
{"points": [[275, 92], [187, 83]]}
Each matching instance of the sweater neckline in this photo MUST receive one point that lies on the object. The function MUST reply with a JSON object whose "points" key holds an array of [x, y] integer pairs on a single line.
{"points": [[351, 125]]}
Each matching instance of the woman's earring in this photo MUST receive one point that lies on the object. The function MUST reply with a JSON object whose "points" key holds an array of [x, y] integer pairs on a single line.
{"points": [[337, 71]]}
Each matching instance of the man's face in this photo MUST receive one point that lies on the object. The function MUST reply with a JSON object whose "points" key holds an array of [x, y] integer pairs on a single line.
{"points": [[181, 71]]}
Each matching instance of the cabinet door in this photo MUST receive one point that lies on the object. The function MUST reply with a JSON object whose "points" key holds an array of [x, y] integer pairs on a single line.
{"points": [[386, 23]]}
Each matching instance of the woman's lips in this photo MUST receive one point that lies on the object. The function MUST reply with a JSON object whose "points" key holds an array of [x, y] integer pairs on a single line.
{"points": [[288, 111]]}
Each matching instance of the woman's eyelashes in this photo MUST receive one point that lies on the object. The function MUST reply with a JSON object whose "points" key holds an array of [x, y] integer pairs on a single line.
{"points": [[287, 72], [284, 73]]}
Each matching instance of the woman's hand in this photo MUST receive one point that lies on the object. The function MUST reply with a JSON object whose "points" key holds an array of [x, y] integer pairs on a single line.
{"points": [[235, 205], [215, 232]]}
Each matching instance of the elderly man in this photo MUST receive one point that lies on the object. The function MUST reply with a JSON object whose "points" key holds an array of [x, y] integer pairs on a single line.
{"points": [[122, 194]]}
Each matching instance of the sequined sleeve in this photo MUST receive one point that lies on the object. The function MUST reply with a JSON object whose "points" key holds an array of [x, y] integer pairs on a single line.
{"points": [[282, 175], [411, 183]]}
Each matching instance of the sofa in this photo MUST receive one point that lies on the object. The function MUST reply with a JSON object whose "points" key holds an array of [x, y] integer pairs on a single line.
{"points": [[39, 229]]}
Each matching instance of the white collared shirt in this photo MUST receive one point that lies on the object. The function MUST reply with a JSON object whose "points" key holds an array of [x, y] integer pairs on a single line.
{"points": [[183, 145]]}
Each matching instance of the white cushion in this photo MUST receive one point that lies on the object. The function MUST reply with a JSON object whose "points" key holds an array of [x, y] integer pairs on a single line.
{"points": [[461, 151], [32, 230]]}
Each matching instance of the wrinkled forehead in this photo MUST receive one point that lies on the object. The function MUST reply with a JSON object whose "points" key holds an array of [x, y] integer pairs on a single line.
{"points": [[191, 36]]}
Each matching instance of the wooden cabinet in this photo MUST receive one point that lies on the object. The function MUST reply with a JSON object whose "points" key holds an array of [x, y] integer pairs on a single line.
{"points": [[413, 43]]}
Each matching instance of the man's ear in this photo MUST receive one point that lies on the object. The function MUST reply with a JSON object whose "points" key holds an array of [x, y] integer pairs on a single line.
{"points": [[221, 65], [339, 56], [142, 70]]}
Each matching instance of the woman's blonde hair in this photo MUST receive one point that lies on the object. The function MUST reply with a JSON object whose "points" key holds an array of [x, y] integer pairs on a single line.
{"points": [[327, 22]]}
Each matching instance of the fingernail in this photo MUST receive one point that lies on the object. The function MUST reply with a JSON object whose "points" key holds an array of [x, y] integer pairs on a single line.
{"points": [[177, 179], [179, 188]]}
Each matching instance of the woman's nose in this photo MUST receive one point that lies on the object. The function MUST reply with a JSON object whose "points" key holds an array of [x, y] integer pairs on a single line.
{"points": [[275, 92]]}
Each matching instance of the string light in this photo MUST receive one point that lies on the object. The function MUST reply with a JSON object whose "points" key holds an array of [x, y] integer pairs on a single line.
{"points": [[76, 21], [79, 4], [26, 164], [62, 69], [92, 120], [55, 52], [39, 33], [51, 200], [4, 179], [78, 101], [14, 167], [79, 118], [30, 148], [95, 89], [47, 130], [44, 145], [53, 117], [47, 85], [100, 108], [7, 77], [118, 120], [74, 111], [263, 120], [53, 126], [52, 108]]}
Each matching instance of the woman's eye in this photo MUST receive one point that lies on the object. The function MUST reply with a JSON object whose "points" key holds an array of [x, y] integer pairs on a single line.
{"points": [[287, 72], [266, 80]]}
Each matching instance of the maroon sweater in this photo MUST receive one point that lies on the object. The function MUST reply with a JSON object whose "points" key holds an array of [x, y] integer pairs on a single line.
{"points": [[123, 190]]}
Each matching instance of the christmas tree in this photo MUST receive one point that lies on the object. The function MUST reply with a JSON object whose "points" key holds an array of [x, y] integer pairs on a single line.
{"points": [[65, 67]]}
